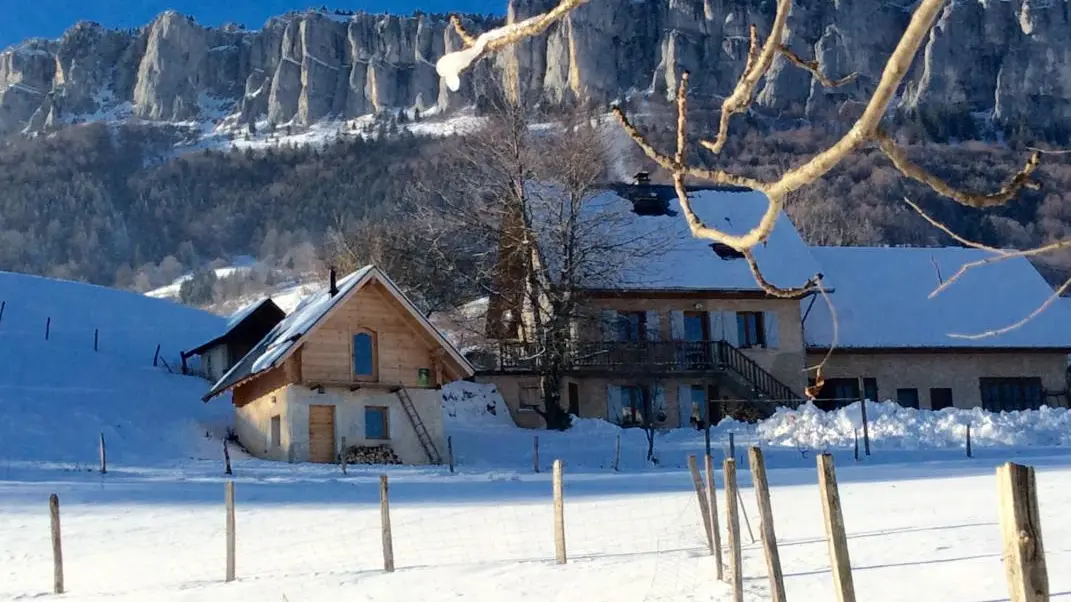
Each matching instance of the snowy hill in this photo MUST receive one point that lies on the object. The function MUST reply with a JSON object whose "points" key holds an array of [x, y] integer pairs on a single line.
{"points": [[58, 395]]}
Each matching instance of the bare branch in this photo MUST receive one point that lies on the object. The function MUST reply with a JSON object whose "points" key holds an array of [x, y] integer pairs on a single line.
{"points": [[1049, 151], [912, 170], [811, 392], [754, 70], [960, 239], [776, 291], [465, 36], [1060, 244], [451, 65], [812, 67], [999, 331], [717, 176]]}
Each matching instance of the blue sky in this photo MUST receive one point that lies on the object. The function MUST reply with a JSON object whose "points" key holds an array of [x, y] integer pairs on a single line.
{"points": [[49, 18]]}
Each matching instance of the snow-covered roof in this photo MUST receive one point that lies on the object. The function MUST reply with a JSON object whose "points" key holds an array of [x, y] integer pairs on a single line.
{"points": [[288, 334], [882, 301], [659, 252], [249, 321]]}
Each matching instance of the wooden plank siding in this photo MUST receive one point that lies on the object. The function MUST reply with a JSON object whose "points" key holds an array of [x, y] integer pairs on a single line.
{"points": [[401, 347], [263, 384]]}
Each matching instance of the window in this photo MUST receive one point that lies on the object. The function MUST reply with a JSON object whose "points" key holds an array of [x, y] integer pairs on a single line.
{"points": [[632, 326], [632, 400], [870, 389], [751, 330], [696, 326], [1008, 394], [375, 423], [940, 398], [530, 398], [909, 398], [364, 355], [276, 432]]}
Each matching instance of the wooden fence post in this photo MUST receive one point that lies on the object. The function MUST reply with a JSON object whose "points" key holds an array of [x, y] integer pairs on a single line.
{"points": [[103, 456], [57, 546], [384, 520], [704, 505], [866, 429], [48, 326], [732, 446], [450, 452], [1020, 523], [96, 339], [732, 516], [855, 450], [559, 513], [228, 491], [706, 437], [535, 453], [712, 499], [766, 524], [617, 452], [342, 456], [156, 356], [3, 304], [970, 454], [835, 535], [226, 458]]}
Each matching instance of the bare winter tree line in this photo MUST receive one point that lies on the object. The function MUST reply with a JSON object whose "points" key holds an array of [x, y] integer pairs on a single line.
{"points": [[867, 130]]}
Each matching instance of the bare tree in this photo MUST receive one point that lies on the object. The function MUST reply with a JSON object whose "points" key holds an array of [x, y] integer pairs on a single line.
{"points": [[867, 130], [535, 196]]}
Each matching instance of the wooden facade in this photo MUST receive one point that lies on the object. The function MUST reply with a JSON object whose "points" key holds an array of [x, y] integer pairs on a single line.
{"points": [[310, 397]]}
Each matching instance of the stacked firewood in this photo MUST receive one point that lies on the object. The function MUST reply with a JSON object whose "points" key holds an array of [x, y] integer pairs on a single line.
{"points": [[378, 454]]}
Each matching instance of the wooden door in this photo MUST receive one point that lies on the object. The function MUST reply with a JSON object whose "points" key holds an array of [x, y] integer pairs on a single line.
{"points": [[321, 433]]}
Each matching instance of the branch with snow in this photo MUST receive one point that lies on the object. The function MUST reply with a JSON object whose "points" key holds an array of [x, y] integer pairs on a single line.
{"points": [[453, 64]]}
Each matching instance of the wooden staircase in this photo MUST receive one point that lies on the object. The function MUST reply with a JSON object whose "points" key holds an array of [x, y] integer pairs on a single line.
{"points": [[418, 426]]}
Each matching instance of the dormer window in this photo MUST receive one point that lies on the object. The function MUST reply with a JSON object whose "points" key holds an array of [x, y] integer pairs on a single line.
{"points": [[725, 251]]}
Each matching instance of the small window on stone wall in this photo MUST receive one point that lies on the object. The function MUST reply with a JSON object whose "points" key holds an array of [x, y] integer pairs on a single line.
{"points": [[276, 432]]}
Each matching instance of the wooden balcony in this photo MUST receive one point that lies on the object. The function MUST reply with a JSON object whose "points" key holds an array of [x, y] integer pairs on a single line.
{"points": [[649, 358]]}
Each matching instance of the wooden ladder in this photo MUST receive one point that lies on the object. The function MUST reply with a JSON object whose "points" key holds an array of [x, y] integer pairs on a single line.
{"points": [[418, 425]]}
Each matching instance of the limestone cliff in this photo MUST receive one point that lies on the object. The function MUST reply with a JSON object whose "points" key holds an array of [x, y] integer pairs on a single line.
{"points": [[1010, 60]]}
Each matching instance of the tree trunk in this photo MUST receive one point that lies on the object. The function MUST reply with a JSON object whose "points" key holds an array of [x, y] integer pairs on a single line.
{"points": [[556, 418]]}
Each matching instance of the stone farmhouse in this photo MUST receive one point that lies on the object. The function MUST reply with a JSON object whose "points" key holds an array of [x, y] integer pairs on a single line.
{"points": [[680, 334]]}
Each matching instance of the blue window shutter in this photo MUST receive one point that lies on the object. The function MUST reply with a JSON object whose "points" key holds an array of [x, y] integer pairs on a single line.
{"points": [[363, 354], [375, 423]]}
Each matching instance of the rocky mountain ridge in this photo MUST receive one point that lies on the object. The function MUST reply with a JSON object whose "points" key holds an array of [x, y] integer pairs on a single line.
{"points": [[1007, 61]]}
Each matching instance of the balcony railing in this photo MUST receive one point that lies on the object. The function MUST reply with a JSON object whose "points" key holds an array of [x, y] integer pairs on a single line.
{"points": [[639, 359]]}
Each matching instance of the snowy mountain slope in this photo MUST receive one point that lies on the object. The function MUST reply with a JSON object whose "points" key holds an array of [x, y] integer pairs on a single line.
{"points": [[58, 395]]}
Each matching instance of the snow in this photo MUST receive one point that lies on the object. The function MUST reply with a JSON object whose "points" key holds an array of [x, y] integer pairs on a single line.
{"points": [[921, 517], [452, 64], [920, 525], [892, 426], [660, 252], [171, 291], [58, 396], [882, 300]]}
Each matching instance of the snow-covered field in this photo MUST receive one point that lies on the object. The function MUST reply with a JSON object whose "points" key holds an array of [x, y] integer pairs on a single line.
{"points": [[921, 516]]}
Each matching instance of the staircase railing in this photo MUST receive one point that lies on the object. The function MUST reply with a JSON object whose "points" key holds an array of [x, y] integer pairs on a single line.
{"points": [[418, 425], [765, 384]]}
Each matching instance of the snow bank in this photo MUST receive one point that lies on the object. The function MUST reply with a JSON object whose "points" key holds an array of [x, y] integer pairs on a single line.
{"points": [[58, 396], [892, 426]]}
